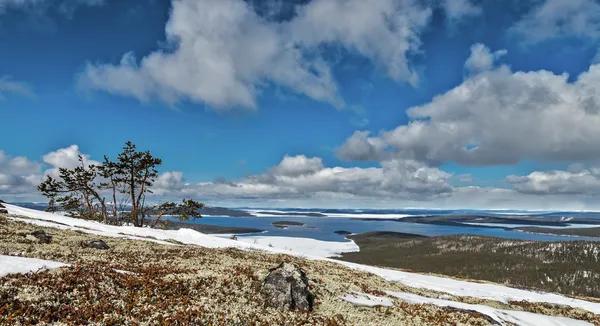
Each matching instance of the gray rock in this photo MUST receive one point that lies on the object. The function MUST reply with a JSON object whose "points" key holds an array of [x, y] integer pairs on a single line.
{"points": [[286, 287], [3, 211], [95, 244], [1, 206], [39, 236]]}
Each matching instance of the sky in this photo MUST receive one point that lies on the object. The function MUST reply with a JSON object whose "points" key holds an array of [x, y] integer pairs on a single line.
{"points": [[478, 104]]}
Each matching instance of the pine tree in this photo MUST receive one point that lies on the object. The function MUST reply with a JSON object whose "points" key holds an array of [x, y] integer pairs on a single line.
{"points": [[110, 171], [76, 190], [138, 174], [79, 190]]}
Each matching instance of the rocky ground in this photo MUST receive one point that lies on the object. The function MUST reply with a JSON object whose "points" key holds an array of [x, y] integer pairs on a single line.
{"points": [[145, 283]]}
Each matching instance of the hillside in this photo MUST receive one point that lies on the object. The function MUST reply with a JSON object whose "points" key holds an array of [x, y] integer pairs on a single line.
{"points": [[180, 277], [568, 267]]}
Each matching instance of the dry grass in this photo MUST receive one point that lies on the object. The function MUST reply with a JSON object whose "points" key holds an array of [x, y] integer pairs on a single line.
{"points": [[189, 285]]}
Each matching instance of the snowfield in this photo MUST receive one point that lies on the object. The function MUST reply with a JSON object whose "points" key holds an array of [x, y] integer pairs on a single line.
{"points": [[300, 245], [319, 250]]}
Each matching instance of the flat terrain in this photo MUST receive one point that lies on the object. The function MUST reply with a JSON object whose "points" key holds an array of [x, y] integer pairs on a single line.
{"points": [[185, 284], [570, 267]]}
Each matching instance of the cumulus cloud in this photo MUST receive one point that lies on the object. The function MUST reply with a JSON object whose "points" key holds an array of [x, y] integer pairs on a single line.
{"points": [[456, 9], [68, 158], [18, 174], [576, 181], [300, 177], [361, 147], [559, 18], [482, 58], [7, 85], [300, 181], [500, 117], [386, 31], [224, 52]]}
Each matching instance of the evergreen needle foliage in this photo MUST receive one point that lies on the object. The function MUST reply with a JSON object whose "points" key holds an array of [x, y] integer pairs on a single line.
{"points": [[80, 191]]}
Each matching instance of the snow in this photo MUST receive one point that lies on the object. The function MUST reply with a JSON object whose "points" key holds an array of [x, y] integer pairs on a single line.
{"points": [[301, 245], [310, 250], [276, 213], [286, 245], [16, 265], [472, 289], [501, 316], [363, 299], [507, 225]]}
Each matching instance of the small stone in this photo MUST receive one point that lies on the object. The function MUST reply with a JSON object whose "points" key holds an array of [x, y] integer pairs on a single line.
{"points": [[286, 287], [95, 244], [39, 236]]}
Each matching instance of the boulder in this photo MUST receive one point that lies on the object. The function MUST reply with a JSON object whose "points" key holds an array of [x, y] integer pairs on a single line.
{"points": [[94, 244], [39, 236], [1, 206], [3, 211], [286, 287]]}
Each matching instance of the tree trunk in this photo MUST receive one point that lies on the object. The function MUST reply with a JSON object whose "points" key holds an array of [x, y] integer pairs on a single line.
{"points": [[133, 203], [114, 196]]}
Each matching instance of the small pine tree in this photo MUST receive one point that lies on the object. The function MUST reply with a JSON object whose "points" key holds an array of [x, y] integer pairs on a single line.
{"points": [[137, 174], [78, 191]]}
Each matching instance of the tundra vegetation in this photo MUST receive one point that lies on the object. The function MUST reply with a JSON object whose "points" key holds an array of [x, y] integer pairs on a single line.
{"points": [[138, 282], [82, 191]]}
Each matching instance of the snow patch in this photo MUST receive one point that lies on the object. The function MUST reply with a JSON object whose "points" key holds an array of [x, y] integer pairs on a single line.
{"points": [[18, 265], [503, 317], [368, 300]]}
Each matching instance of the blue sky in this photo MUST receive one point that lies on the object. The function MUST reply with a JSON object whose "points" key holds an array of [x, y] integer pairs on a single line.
{"points": [[243, 92]]}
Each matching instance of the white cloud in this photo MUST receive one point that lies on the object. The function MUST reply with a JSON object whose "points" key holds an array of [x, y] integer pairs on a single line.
{"points": [[481, 58], [7, 85], [298, 165], [501, 117], [299, 181], [67, 158], [361, 147], [577, 181], [224, 52], [456, 9], [560, 18], [299, 177], [385, 31], [18, 174]]}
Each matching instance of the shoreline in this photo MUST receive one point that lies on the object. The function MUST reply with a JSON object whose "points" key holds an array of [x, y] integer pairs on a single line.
{"points": [[212, 229]]}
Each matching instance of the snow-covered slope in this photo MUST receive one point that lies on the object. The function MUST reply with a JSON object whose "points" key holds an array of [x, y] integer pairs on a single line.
{"points": [[297, 246], [300, 248]]}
